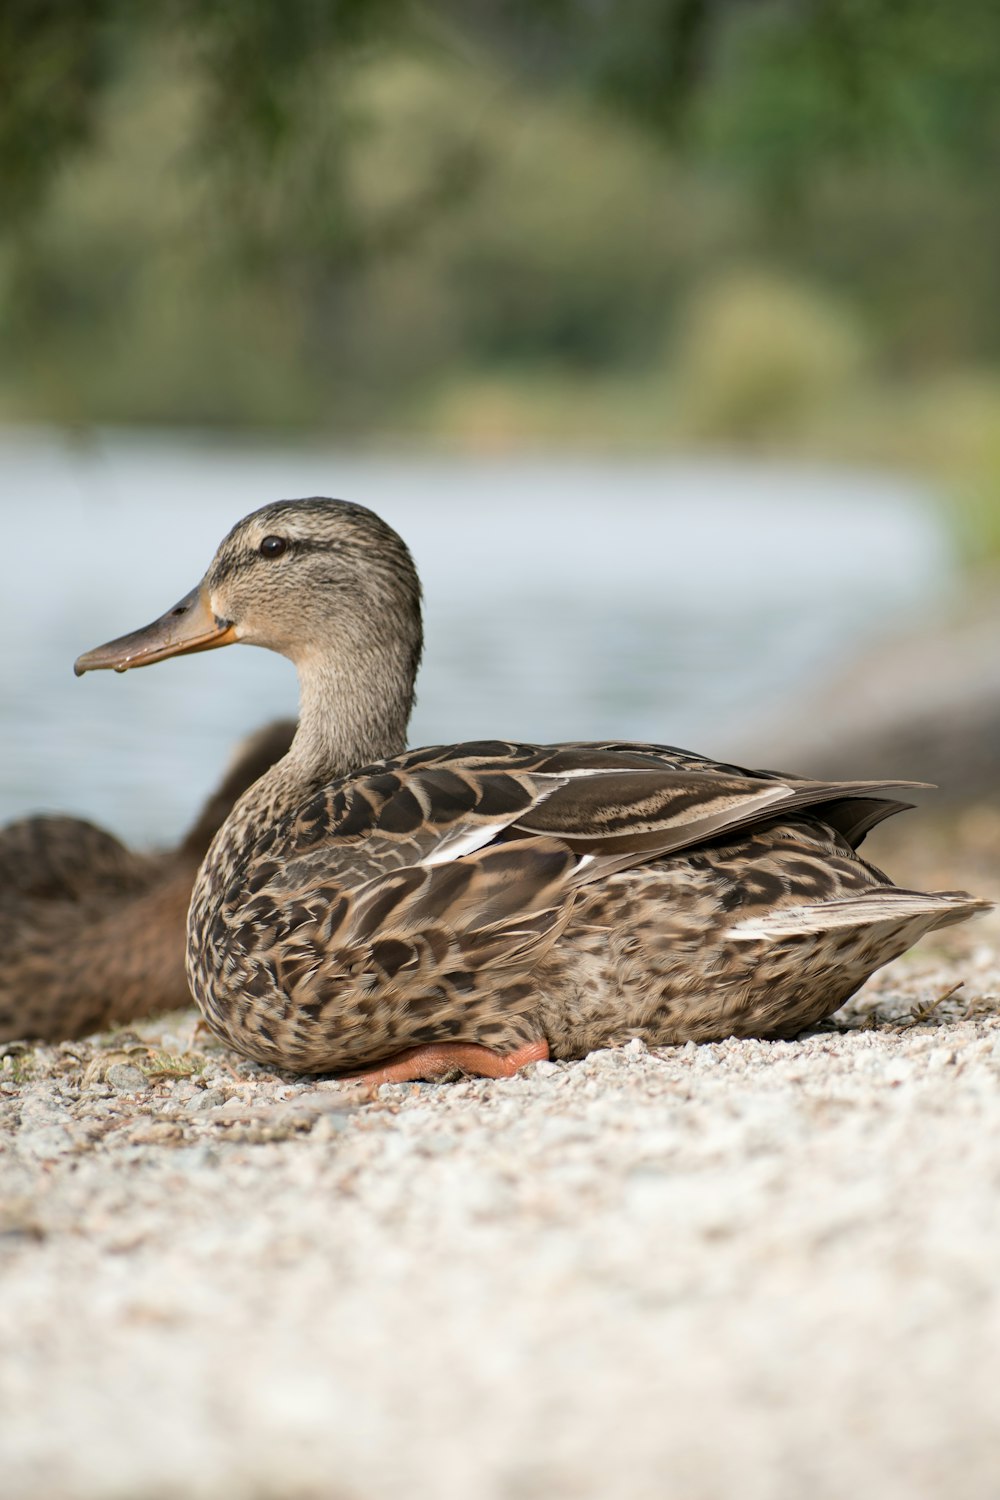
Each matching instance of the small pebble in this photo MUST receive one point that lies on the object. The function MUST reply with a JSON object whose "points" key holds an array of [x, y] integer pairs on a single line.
{"points": [[126, 1078], [207, 1099], [328, 1126]]}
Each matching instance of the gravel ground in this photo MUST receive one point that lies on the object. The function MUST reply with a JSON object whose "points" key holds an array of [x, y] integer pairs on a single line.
{"points": [[764, 1269]]}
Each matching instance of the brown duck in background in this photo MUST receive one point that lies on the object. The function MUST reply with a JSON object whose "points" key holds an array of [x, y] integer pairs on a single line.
{"points": [[92, 933], [480, 906]]}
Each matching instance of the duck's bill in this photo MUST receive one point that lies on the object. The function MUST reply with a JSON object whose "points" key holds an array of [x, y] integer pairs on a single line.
{"points": [[189, 626]]}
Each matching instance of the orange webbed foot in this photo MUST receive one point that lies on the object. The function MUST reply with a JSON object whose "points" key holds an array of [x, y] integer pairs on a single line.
{"points": [[438, 1058]]}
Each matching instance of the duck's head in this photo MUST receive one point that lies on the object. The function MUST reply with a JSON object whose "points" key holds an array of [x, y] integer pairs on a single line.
{"points": [[313, 579]]}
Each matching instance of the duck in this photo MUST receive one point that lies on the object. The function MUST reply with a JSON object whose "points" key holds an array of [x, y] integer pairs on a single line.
{"points": [[390, 914], [92, 932]]}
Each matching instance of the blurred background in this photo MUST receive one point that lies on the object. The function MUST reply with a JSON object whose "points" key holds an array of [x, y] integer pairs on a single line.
{"points": [[667, 332]]}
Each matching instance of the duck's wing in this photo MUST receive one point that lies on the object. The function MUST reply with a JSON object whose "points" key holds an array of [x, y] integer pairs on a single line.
{"points": [[851, 816], [481, 860]]}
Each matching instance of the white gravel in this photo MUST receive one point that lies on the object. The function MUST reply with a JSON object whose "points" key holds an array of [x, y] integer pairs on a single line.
{"points": [[758, 1269]]}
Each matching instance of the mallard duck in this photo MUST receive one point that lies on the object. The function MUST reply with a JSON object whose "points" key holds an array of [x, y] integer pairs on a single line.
{"points": [[91, 932], [392, 915]]}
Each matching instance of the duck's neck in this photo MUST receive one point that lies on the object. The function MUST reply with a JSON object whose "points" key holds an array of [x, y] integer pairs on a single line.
{"points": [[347, 719]]}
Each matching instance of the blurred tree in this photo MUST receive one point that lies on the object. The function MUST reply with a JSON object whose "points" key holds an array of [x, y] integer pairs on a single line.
{"points": [[341, 212], [55, 63], [778, 86]]}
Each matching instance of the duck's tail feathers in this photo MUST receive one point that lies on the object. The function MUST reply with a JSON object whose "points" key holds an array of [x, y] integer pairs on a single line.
{"points": [[879, 907], [855, 817]]}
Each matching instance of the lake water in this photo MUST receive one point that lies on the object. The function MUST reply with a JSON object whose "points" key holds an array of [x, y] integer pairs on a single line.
{"points": [[565, 598]]}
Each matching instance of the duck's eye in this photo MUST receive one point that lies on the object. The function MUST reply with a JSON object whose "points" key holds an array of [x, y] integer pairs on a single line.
{"points": [[273, 546]]}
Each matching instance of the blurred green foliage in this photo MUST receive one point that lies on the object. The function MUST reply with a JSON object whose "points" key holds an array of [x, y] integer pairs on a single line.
{"points": [[641, 223]]}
